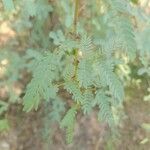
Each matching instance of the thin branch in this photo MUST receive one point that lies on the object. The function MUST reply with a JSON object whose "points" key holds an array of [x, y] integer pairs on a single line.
{"points": [[76, 12], [76, 15]]}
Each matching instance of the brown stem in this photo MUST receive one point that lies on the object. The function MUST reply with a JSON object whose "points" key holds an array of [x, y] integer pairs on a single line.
{"points": [[75, 32], [76, 15]]}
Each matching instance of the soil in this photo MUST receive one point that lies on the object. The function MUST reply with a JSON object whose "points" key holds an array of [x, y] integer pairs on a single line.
{"points": [[25, 130]]}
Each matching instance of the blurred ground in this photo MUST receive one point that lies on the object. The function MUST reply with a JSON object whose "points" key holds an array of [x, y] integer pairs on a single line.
{"points": [[89, 133]]}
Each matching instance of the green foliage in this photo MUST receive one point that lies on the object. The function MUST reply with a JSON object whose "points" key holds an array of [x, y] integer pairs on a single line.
{"points": [[104, 103], [85, 75], [143, 40], [87, 102], [52, 115], [134, 1], [37, 8], [126, 36], [121, 21], [110, 79], [81, 58], [3, 107], [68, 122], [73, 88], [4, 125], [44, 70], [86, 44], [146, 127], [8, 4], [57, 37]]}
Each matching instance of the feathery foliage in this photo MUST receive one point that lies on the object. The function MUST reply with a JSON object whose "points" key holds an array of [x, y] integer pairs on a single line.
{"points": [[87, 102], [41, 85], [8, 4], [68, 122], [74, 52], [73, 88], [104, 103]]}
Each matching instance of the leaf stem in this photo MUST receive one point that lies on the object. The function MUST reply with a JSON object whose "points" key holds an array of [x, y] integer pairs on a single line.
{"points": [[75, 32]]}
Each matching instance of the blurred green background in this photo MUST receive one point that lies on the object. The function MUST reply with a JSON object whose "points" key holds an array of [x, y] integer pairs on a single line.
{"points": [[28, 25]]}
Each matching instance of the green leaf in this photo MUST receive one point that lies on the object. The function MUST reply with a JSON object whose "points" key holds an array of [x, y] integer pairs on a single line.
{"points": [[85, 73], [105, 113], [3, 106], [57, 36], [41, 86], [109, 78], [68, 122], [126, 35], [73, 88], [144, 141], [4, 125], [58, 106], [146, 126], [69, 134], [68, 72], [39, 9], [120, 6], [85, 44], [116, 88], [32, 96], [87, 102]]}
